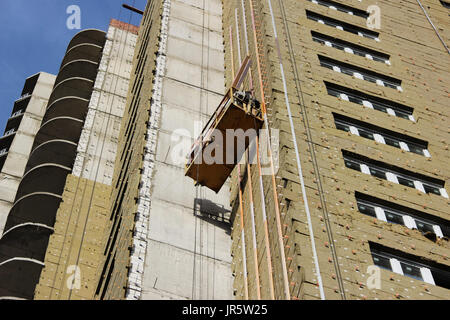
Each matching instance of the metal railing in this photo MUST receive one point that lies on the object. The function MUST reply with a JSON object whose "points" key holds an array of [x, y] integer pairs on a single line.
{"points": [[230, 98], [9, 132], [16, 114]]}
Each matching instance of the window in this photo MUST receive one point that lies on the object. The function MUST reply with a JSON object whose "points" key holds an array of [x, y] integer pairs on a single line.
{"points": [[360, 73], [393, 217], [405, 182], [377, 173], [352, 165], [445, 4], [381, 135], [366, 134], [342, 127], [350, 47], [410, 270], [370, 101], [23, 97], [342, 25], [381, 261], [9, 132], [425, 227], [3, 152], [30, 84], [368, 210], [391, 173], [342, 8], [431, 189], [393, 213], [392, 142], [17, 113], [410, 266]]}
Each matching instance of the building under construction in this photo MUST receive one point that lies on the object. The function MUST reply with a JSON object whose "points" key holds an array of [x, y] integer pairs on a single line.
{"points": [[345, 181]]}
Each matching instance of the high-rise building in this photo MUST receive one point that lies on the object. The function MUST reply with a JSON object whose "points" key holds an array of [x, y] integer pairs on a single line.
{"points": [[358, 91], [357, 188], [347, 194], [17, 140], [55, 225], [169, 239]]}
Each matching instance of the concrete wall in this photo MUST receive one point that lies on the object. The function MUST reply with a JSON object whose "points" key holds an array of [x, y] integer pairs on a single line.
{"points": [[20, 149], [127, 184], [179, 248], [188, 252]]}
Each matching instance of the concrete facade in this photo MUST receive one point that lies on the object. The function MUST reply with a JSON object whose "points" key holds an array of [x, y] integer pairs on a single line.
{"points": [[26, 119], [180, 243], [188, 252]]}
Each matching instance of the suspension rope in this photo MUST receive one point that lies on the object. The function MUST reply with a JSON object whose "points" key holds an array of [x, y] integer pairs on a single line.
{"points": [[275, 194], [198, 189], [249, 178], [241, 206], [313, 155], [299, 166], [435, 29], [261, 185]]}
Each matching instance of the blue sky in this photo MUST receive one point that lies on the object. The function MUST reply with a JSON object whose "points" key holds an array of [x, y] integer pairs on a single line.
{"points": [[34, 38]]}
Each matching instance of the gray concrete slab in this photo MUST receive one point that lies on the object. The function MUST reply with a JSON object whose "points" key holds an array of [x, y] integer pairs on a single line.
{"points": [[188, 252]]}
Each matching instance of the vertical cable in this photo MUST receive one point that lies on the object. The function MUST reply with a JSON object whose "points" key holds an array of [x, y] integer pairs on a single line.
{"points": [[431, 22], [261, 185], [297, 154], [241, 208], [312, 152], [249, 178], [275, 194]]}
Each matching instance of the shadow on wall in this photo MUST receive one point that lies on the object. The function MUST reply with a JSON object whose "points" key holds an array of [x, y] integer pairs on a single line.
{"points": [[213, 213]]}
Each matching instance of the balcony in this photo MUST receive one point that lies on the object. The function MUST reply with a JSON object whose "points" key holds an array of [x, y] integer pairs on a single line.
{"points": [[23, 97], [16, 114], [9, 133]]}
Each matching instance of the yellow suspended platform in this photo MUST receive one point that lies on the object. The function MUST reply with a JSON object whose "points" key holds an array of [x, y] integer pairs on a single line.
{"points": [[238, 110]]}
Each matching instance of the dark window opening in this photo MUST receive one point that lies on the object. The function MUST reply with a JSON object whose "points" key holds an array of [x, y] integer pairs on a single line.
{"points": [[352, 165], [406, 182], [343, 8], [410, 265], [394, 217], [366, 134], [445, 4], [432, 189], [376, 102], [430, 182], [356, 49], [424, 221], [366, 74], [367, 210], [377, 173], [345, 26], [381, 261]]}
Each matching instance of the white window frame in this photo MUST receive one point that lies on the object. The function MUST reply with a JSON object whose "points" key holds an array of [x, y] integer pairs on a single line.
{"points": [[396, 266]]}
